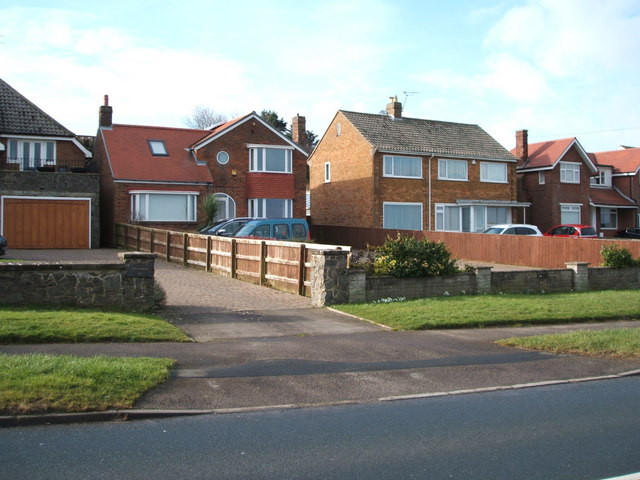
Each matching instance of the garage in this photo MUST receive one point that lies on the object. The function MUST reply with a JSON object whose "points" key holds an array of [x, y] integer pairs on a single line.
{"points": [[47, 222]]}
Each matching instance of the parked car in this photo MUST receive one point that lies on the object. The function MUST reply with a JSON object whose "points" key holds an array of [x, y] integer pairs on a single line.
{"points": [[514, 229], [575, 231], [227, 227], [295, 229], [629, 233], [3, 245]]}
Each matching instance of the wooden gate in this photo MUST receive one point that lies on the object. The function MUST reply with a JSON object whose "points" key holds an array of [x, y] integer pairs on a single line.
{"points": [[46, 222]]}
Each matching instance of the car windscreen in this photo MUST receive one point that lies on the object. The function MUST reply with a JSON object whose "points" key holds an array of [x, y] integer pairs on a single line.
{"points": [[493, 230]]}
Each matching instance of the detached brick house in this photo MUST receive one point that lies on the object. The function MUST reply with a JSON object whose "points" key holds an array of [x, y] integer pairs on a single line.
{"points": [[49, 192], [565, 184], [387, 171], [158, 176]]}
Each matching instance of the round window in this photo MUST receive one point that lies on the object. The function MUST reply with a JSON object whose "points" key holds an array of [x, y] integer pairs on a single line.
{"points": [[222, 157]]}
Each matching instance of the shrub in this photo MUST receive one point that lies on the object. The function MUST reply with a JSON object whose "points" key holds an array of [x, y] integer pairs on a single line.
{"points": [[410, 257], [618, 257]]}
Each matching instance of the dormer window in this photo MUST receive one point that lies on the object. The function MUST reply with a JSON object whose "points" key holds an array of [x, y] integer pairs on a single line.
{"points": [[602, 179], [158, 149]]}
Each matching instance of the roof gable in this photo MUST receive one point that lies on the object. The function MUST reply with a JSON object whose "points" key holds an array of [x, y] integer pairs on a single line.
{"points": [[129, 154], [427, 137], [20, 116], [225, 128], [546, 155]]}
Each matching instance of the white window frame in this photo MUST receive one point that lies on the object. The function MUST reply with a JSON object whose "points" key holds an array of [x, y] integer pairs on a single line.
{"points": [[569, 172], [228, 209], [613, 214], [31, 153], [385, 220], [390, 165], [602, 179], [570, 209], [327, 172], [338, 129], [258, 158], [486, 169], [258, 207], [140, 203], [477, 214], [541, 179], [443, 170]]}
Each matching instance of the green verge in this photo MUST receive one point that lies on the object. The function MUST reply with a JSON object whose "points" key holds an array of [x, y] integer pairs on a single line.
{"points": [[617, 342], [39, 383], [71, 325], [477, 311]]}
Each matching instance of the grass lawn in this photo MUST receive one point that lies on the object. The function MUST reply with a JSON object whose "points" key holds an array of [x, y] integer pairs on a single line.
{"points": [[619, 342], [500, 310], [71, 325], [63, 383]]}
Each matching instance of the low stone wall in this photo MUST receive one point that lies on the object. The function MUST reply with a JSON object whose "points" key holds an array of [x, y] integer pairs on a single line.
{"points": [[128, 285], [333, 282]]}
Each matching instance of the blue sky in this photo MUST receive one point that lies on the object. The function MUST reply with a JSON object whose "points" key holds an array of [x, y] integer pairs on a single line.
{"points": [[559, 68]]}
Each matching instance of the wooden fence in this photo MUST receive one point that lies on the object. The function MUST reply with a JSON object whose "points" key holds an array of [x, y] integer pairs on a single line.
{"points": [[541, 252], [281, 265]]}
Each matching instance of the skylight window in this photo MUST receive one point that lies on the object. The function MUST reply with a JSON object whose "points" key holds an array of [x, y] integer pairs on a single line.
{"points": [[158, 148]]}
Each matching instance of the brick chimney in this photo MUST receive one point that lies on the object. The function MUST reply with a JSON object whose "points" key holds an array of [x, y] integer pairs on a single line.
{"points": [[522, 145], [299, 130], [105, 118], [394, 108]]}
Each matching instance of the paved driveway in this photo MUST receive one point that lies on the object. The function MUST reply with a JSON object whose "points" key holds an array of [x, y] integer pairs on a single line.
{"points": [[212, 307]]}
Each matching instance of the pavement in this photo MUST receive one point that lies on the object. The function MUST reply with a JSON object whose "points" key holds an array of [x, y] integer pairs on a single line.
{"points": [[257, 348]]}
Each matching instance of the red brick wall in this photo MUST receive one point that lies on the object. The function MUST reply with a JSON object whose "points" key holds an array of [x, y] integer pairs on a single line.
{"points": [[233, 177]]}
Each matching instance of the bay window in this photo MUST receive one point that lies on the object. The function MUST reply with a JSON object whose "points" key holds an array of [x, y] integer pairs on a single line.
{"points": [[569, 172], [273, 159], [570, 213], [469, 218]]}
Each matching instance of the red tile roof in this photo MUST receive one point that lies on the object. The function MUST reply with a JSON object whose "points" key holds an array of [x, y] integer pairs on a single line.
{"points": [[131, 159], [622, 161], [545, 154], [609, 197], [220, 128]]}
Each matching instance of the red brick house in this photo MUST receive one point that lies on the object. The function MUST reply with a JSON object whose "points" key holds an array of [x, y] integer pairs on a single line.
{"points": [[158, 176], [565, 184], [49, 193], [388, 171]]}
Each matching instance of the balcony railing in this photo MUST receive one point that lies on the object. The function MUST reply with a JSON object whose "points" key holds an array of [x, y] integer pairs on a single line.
{"points": [[43, 165]]}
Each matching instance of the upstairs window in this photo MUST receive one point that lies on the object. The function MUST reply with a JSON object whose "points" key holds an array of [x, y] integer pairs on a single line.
{"points": [[31, 154], [402, 167], [569, 172], [158, 148], [327, 172], [270, 159], [452, 170], [493, 172], [602, 179]]}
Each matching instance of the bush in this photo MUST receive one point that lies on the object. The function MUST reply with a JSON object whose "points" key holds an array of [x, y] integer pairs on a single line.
{"points": [[618, 257], [410, 257]]}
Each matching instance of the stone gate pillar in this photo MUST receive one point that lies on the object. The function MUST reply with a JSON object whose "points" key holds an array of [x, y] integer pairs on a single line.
{"points": [[329, 280]]}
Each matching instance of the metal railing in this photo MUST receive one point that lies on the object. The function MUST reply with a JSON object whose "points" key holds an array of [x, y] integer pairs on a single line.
{"points": [[25, 164]]}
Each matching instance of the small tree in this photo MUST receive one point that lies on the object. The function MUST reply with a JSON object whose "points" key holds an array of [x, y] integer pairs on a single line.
{"points": [[212, 208], [618, 257], [410, 257], [203, 118], [275, 121]]}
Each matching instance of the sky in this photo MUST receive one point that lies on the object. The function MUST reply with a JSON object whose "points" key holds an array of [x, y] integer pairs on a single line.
{"points": [[558, 68]]}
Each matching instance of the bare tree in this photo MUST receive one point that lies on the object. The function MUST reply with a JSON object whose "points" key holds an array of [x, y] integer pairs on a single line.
{"points": [[203, 118]]}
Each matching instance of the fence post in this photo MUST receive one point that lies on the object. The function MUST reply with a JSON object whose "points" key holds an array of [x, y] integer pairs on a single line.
{"points": [[580, 275], [208, 256], [151, 237], [185, 249], [168, 246], [302, 255], [138, 233], [263, 262], [234, 258]]}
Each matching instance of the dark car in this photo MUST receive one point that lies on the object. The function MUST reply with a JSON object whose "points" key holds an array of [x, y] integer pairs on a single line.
{"points": [[3, 245], [573, 231], [629, 233], [227, 227]]}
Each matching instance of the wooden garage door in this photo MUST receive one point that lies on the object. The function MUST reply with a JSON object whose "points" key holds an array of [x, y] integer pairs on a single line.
{"points": [[46, 223]]}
